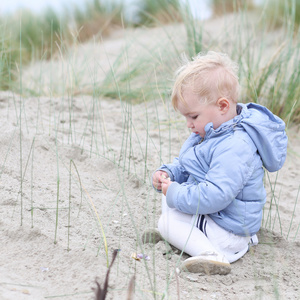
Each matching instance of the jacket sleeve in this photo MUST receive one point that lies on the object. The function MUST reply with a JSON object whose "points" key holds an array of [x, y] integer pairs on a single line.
{"points": [[175, 171], [232, 164]]}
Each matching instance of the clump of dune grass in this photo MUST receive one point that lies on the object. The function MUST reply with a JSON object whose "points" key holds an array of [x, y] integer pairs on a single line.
{"points": [[42, 36], [268, 75], [221, 7], [98, 18], [159, 12], [37, 34], [26, 37], [41, 33], [282, 13], [273, 80], [9, 55]]}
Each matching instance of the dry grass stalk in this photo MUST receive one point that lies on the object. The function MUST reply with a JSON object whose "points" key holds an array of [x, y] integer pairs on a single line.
{"points": [[100, 293], [131, 288]]}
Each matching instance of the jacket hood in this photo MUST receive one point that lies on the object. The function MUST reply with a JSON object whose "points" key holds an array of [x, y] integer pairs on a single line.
{"points": [[267, 132]]}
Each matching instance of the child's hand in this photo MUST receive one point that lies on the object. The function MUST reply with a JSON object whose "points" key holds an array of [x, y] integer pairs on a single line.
{"points": [[166, 182], [157, 179]]}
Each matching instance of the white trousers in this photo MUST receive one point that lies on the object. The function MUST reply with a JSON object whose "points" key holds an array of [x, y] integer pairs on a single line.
{"points": [[182, 231]]}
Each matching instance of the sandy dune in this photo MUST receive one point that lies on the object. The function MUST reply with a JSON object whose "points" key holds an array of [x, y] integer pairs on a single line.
{"points": [[85, 164]]}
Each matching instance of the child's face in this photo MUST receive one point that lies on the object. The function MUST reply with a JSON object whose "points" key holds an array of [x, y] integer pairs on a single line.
{"points": [[199, 114]]}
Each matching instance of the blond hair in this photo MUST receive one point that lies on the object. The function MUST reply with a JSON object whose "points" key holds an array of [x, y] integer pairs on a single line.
{"points": [[212, 76]]}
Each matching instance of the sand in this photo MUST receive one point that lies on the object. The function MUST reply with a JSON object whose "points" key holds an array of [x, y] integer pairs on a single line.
{"points": [[75, 186]]}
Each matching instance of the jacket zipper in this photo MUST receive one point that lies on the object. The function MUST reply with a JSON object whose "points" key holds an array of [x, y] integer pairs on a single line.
{"points": [[180, 157]]}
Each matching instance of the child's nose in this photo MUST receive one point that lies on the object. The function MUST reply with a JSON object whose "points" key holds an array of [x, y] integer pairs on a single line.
{"points": [[189, 124]]}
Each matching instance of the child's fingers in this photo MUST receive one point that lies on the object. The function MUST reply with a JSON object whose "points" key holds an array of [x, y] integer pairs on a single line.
{"points": [[165, 180], [165, 185], [159, 178], [157, 185], [165, 177]]}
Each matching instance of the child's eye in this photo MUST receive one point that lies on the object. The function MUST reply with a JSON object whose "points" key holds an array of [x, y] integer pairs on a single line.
{"points": [[194, 117]]}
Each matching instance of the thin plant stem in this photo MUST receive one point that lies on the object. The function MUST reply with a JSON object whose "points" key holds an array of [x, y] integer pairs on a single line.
{"points": [[81, 194], [57, 192], [8, 150], [20, 124], [100, 223], [31, 186], [121, 180], [271, 203], [146, 145], [69, 210], [57, 185], [51, 75], [296, 201], [26, 165]]}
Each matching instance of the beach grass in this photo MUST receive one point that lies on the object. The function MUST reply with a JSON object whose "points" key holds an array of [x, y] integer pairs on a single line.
{"points": [[159, 12], [49, 36], [135, 80], [281, 13]]}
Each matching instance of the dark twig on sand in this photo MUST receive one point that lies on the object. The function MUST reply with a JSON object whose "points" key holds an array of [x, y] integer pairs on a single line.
{"points": [[100, 293]]}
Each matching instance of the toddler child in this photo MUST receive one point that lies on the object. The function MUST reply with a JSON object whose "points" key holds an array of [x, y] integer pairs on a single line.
{"points": [[213, 192]]}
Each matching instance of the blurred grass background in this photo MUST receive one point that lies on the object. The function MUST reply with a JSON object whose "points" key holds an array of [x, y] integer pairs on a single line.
{"points": [[272, 80]]}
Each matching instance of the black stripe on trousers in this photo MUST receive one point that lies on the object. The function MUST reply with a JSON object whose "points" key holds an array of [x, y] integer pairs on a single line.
{"points": [[201, 223]]}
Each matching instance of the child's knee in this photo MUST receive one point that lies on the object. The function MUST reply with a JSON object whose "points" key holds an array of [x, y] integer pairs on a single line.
{"points": [[162, 224]]}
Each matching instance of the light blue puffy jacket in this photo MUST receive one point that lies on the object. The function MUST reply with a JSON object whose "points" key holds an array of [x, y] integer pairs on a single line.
{"points": [[222, 175]]}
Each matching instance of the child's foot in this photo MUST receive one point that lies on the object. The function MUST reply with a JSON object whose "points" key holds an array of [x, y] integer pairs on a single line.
{"points": [[151, 235], [208, 263]]}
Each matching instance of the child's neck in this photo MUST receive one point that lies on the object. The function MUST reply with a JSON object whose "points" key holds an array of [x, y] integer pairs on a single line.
{"points": [[231, 112]]}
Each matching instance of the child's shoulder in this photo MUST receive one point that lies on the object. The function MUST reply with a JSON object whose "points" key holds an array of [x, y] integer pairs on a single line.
{"points": [[237, 141]]}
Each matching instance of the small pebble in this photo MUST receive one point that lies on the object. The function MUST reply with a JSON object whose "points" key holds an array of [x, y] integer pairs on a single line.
{"points": [[192, 278], [43, 269]]}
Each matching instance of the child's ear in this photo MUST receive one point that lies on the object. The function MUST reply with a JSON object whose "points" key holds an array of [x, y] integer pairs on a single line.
{"points": [[223, 105]]}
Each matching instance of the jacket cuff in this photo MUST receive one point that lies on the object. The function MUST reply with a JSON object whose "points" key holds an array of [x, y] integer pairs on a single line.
{"points": [[171, 194]]}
